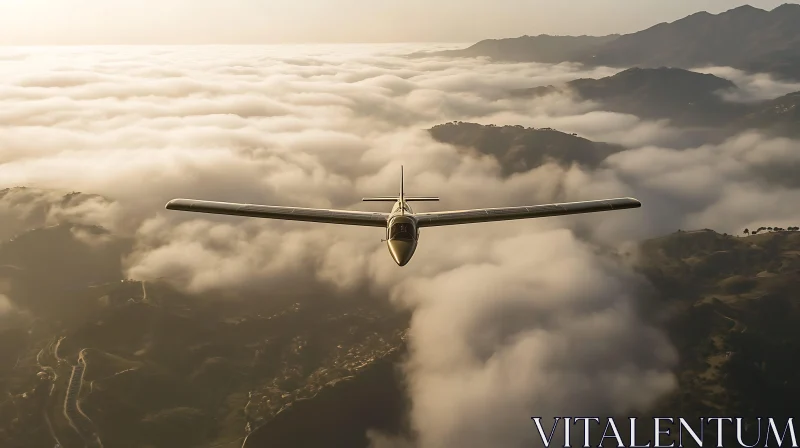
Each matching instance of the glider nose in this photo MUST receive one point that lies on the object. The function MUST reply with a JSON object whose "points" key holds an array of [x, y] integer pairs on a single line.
{"points": [[401, 251]]}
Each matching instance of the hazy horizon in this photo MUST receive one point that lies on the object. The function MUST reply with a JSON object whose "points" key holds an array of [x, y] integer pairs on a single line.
{"points": [[246, 22]]}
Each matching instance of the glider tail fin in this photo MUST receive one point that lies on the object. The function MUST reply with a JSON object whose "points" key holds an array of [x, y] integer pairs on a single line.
{"points": [[402, 198]]}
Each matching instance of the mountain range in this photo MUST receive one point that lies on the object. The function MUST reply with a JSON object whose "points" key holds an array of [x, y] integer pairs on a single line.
{"points": [[747, 38], [686, 98], [692, 101]]}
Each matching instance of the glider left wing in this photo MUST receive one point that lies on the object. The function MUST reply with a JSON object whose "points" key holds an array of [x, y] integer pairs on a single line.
{"points": [[353, 218]]}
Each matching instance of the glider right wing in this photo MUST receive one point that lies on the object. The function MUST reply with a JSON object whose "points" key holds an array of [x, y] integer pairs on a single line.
{"points": [[532, 211]]}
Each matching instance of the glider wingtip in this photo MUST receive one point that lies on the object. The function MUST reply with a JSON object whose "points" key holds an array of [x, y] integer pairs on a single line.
{"points": [[172, 204]]}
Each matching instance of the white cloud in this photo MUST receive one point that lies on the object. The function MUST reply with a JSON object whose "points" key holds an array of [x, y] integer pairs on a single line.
{"points": [[752, 86]]}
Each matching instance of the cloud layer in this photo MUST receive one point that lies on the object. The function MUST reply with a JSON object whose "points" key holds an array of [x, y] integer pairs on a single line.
{"points": [[752, 86], [510, 319]]}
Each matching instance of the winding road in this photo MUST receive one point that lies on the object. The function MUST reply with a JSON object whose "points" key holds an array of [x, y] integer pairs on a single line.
{"points": [[736, 324], [52, 377], [79, 421]]}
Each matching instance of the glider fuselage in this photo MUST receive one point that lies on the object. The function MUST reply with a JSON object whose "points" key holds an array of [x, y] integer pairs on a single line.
{"points": [[402, 233]]}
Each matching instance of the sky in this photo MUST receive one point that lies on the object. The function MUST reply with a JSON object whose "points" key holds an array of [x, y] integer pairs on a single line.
{"points": [[130, 22]]}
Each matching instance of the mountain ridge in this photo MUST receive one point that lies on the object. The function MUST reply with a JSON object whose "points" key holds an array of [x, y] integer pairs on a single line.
{"points": [[746, 38], [686, 98]]}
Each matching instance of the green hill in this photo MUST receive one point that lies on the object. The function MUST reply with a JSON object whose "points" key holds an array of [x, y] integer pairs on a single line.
{"points": [[781, 115], [733, 308], [520, 149]]}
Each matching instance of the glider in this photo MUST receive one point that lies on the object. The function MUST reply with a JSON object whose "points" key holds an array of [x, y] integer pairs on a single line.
{"points": [[402, 224]]}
